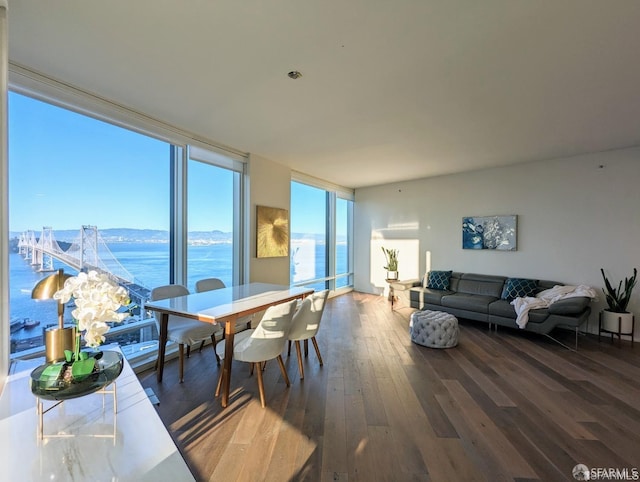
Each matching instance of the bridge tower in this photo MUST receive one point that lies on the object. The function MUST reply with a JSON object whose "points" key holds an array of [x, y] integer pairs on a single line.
{"points": [[89, 246], [46, 247], [22, 244], [31, 243]]}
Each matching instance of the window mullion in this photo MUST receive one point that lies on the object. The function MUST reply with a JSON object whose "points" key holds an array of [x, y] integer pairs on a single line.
{"points": [[178, 235], [331, 239], [238, 228]]}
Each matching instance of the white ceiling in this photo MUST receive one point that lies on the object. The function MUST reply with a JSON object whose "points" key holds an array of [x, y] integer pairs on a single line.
{"points": [[391, 90]]}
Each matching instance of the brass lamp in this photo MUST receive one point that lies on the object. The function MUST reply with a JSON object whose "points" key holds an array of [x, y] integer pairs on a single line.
{"points": [[59, 339]]}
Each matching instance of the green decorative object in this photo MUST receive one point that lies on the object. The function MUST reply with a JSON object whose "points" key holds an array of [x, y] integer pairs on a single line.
{"points": [[618, 298], [392, 263], [392, 259], [80, 369], [64, 380]]}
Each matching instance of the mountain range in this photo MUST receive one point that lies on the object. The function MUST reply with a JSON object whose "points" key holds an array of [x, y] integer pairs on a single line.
{"points": [[132, 235]]}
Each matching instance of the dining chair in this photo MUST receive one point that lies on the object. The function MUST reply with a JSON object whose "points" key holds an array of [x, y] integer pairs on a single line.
{"points": [[305, 325], [242, 323], [209, 284], [183, 331], [264, 342]]}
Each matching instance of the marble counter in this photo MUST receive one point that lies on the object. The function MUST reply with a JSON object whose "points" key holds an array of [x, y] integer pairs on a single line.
{"points": [[83, 439]]}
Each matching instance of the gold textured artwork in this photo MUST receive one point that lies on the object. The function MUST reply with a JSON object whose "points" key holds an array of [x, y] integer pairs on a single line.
{"points": [[272, 232]]}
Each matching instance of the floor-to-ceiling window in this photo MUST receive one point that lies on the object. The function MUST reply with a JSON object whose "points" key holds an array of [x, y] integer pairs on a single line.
{"points": [[214, 195], [111, 196], [321, 248], [343, 258], [309, 261]]}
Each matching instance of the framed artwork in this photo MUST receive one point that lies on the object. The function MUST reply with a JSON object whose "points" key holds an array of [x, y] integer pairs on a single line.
{"points": [[490, 232], [272, 232]]}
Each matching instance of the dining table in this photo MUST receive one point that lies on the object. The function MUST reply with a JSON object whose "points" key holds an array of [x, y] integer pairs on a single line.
{"points": [[223, 306]]}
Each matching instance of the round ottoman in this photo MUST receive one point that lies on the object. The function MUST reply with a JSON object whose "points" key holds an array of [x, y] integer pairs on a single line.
{"points": [[435, 329]]}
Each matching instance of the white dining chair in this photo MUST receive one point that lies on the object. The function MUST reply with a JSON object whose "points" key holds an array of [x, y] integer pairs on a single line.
{"points": [[209, 284], [306, 323], [183, 331], [242, 323], [264, 342]]}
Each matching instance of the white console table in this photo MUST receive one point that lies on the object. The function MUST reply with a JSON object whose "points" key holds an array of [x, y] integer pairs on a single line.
{"points": [[83, 438]]}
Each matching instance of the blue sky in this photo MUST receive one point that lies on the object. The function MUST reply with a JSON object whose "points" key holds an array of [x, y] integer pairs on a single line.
{"points": [[66, 170], [122, 181]]}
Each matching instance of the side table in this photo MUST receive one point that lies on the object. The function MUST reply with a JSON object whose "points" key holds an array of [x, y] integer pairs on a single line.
{"points": [[400, 288], [82, 439]]}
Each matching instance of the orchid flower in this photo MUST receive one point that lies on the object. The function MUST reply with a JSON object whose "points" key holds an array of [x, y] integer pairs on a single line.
{"points": [[98, 299]]}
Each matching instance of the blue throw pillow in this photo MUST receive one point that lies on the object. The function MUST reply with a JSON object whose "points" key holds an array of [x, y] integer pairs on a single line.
{"points": [[439, 280], [518, 288]]}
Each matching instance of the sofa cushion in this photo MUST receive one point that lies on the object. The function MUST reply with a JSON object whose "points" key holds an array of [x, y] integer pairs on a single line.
{"points": [[427, 295], [469, 302], [547, 284], [505, 309], [502, 308], [539, 315], [518, 288], [480, 284], [438, 280], [569, 306]]}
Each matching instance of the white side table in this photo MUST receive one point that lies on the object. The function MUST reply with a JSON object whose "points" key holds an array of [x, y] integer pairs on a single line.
{"points": [[400, 288], [82, 440]]}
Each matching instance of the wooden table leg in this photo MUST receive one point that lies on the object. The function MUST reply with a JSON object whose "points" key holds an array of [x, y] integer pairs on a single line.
{"points": [[229, 331], [162, 343]]}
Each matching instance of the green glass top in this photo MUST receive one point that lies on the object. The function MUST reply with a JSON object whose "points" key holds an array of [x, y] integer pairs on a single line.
{"points": [[47, 381]]}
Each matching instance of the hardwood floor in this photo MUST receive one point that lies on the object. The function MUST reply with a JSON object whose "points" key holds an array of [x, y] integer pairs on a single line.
{"points": [[505, 406]]}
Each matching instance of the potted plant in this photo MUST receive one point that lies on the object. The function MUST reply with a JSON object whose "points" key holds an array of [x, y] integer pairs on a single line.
{"points": [[392, 263], [616, 318]]}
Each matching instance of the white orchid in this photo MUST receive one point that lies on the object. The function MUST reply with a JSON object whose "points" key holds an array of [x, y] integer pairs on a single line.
{"points": [[98, 299]]}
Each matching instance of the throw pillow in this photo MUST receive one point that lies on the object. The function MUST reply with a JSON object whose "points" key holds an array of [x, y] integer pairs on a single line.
{"points": [[518, 288], [439, 280]]}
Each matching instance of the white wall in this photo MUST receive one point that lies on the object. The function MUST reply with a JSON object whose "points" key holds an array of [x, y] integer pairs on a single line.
{"points": [[575, 216], [270, 185]]}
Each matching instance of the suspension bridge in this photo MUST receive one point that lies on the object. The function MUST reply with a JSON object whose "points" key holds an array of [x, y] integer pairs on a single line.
{"points": [[86, 252]]}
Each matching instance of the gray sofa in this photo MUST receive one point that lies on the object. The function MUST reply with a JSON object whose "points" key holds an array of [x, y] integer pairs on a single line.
{"points": [[479, 297]]}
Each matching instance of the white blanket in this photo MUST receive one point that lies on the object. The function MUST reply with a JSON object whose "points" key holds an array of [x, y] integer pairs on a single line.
{"points": [[545, 298]]}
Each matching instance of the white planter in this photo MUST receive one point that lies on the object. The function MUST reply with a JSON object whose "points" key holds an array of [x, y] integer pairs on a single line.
{"points": [[392, 275], [617, 322]]}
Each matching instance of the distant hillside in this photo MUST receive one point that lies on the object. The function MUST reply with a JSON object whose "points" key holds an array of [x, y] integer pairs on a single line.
{"points": [[131, 235], [122, 235], [13, 244]]}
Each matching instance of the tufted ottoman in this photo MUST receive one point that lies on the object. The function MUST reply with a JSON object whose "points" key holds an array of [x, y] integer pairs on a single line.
{"points": [[435, 329]]}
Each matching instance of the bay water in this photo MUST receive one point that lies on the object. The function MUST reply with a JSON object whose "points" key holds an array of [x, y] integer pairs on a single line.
{"points": [[149, 264]]}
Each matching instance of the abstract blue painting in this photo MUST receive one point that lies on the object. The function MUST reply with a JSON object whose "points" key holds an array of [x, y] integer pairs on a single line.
{"points": [[489, 232]]}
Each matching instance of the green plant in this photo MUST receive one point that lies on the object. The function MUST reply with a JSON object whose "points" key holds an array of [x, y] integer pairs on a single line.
{"points": [[619, 298], [97, 298], [392, 259]]}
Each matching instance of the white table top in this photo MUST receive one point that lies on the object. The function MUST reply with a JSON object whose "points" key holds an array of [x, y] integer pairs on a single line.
{"points": [[133, 446], [216, 305]]}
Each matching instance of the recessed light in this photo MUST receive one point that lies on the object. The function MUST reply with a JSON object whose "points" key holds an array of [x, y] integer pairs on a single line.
{"points": [[294, 74]]}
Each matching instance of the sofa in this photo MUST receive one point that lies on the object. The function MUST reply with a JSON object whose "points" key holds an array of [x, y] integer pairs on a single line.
{"points": [[487, 298]]}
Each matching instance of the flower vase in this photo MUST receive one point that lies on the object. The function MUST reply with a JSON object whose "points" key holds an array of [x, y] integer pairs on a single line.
{"points": [[617, 322], [59, 380]]}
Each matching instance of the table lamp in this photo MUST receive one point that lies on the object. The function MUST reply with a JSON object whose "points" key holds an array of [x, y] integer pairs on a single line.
{"points": [[59, 339]]}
